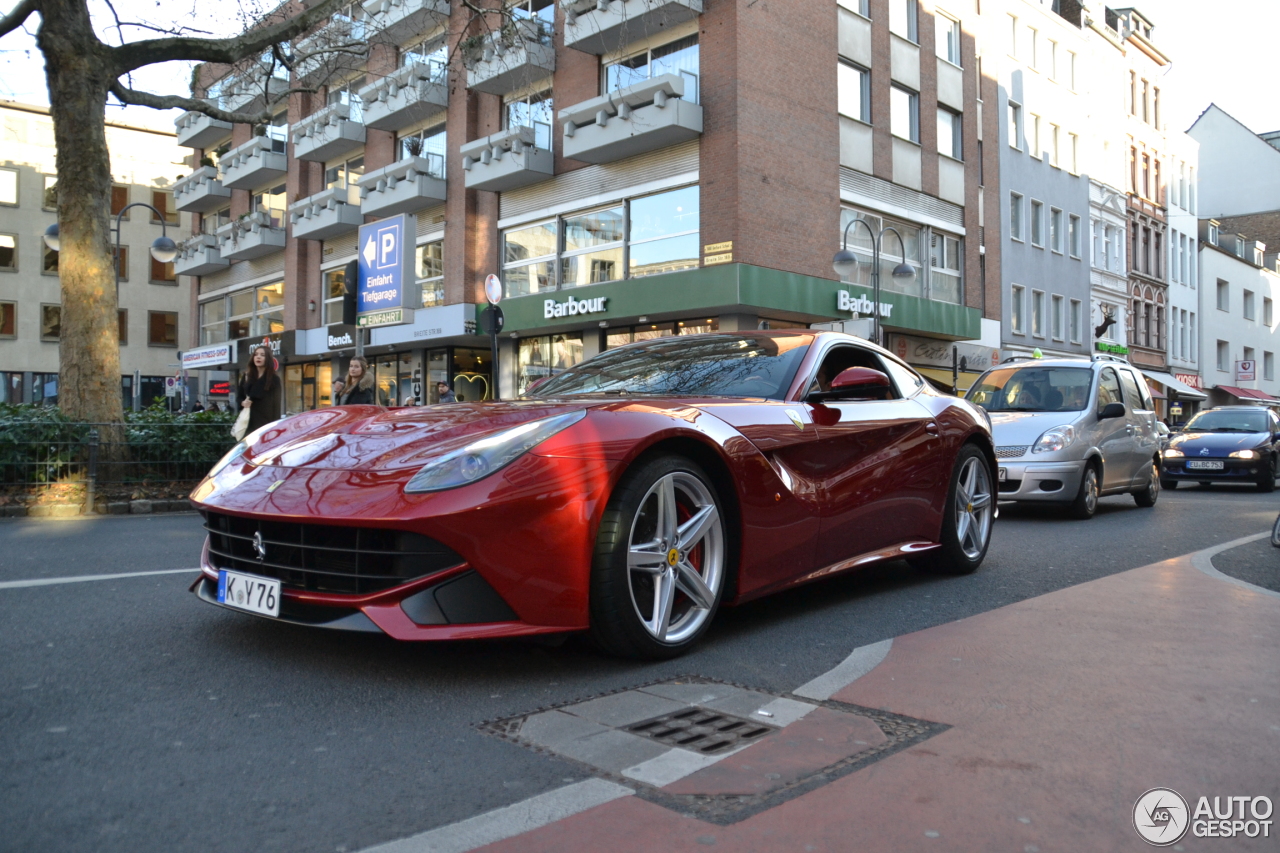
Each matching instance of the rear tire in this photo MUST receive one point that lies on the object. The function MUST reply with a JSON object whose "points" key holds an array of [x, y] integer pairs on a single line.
{"points": [[1148, 496], [1086, 502], [967, 518], [1268, 481]]}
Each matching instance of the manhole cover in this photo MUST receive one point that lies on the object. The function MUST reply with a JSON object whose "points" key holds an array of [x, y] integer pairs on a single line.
{"points": [[700, 730]]}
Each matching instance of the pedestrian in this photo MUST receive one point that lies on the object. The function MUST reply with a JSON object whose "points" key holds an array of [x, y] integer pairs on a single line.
{"points": [[259, 389], [197, 406], [357, 385], [445, 392]]}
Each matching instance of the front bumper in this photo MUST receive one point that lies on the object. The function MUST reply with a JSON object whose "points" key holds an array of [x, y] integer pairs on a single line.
{"points": [[1233, 470], [1039, 481]]}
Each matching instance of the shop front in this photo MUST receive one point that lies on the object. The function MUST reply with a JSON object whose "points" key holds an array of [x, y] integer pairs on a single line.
{"points": [[951, 366], [1177, 395], [213, 367]]}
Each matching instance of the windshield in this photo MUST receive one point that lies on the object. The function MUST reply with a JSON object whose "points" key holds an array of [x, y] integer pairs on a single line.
{"points": [[1033, 389], [1229, 421], [702, 365]]}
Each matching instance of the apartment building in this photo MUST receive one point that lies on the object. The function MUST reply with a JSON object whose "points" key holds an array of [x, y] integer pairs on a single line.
{"points": [[153, 311], [630, 170]]}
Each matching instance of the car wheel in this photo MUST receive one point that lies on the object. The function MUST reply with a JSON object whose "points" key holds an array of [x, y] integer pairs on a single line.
{"points": [[660, 561], [1267, 483], [1086, 502], [1149, 494], [1169, 485], [966, 519]]}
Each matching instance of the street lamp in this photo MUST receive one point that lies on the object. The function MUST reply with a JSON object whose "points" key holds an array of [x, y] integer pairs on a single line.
{"points": [[845, 262], [163, 249]]}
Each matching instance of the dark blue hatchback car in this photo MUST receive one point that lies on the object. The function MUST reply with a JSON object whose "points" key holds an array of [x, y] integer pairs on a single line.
{"points": [[1229, 444]]}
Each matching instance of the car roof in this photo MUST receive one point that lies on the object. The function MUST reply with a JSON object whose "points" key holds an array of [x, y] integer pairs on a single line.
{"points": [[1239, 408]]}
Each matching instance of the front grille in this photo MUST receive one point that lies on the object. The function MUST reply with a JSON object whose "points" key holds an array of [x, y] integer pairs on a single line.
{"points": [[1010, 485], [324, 558], [1011, 451]]}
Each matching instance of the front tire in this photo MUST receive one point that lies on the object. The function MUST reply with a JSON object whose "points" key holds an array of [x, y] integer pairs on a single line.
{"points": [[1086, 502], [1267, 483], [660, 563], [1148, 496], [967, 518], [1169, 485], [1275, 532]]}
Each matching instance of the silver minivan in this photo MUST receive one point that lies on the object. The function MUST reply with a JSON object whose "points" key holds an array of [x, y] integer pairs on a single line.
{"points": [[1071, 430]]}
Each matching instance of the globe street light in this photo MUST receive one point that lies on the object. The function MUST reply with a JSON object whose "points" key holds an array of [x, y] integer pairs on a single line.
{"points": [[163, 249], [845, 262]]}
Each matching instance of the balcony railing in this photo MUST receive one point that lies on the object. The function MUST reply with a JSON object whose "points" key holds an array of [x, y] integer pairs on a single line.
{"points": [[644, 117], [337, 46], [199, 256], [325, 214], [397, 20], [409, 95], [197, 130], [258, 161], [249, 237], [506, 160], [327, 133], [403, 187], [601, 26], [201, 191], [240, 91], [519, 54]]}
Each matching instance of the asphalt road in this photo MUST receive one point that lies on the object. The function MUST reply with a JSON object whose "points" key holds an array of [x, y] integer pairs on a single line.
{"points": [[135, 718]]}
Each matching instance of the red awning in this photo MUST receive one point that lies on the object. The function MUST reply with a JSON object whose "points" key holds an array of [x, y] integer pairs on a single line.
{"points": [[1248, 394]]}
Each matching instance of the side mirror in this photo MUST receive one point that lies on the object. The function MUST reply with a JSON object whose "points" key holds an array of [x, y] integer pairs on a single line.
{"points": [[1111, 410], [856, 383]]}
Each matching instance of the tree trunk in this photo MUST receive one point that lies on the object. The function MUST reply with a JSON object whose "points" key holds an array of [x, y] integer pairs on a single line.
{"points": [[78, 70]]}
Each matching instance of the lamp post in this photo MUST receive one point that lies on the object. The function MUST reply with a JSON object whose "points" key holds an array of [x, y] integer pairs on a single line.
{"points": [[845, 262], [163, 249]]}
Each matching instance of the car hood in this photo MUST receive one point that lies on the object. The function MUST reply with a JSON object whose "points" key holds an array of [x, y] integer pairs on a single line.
{"points": [[1216, 443], [1019, 428], [374, 438]]}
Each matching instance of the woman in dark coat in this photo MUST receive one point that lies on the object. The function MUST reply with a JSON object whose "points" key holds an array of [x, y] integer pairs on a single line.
{"points": [[259, 389], [357, 386]]}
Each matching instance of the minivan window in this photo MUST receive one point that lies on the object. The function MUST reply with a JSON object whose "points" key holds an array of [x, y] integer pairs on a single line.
{"points": [[1033, 389], [1133, 397], [1108, 389]]}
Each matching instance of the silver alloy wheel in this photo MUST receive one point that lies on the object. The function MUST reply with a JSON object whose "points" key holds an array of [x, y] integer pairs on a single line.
{"points": [[974, 507], [1153, 489], [675, 568], [1091, 489]]}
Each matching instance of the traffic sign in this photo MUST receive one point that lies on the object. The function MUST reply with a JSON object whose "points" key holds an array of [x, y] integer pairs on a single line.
{"points": [[491, 320], [493, 289], [386, 280]]}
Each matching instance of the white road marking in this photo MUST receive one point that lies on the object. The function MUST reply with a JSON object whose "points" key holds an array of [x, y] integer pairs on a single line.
{"points": [[1203, 560], [859, 662], [510, 821], [84, 578]]}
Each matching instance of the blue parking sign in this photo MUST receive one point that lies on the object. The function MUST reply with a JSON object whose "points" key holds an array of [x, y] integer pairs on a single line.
{"points": [[386, 277]]}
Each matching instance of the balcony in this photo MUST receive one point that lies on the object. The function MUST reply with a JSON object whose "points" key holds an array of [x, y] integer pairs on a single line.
{"points": [[249, 237], [197, 130], [629, 121], [199, 256], [411, 184], [514, 57], [201, 191], [255, 163], [239, 92], [409, 95], [324, 215], [329, 49], [601, 26], [397, 20], [507, 160], [327, 133]]}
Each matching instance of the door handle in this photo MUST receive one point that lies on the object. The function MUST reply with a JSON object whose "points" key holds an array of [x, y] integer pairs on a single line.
{"points": [[932, 428]]}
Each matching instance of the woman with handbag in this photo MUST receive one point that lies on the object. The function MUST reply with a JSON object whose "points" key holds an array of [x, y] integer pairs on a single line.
{"points": [[258, 392], [357, 385]]}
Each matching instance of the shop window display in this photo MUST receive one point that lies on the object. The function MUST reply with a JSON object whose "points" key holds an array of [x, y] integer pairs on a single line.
{"points": [[544, 356]]}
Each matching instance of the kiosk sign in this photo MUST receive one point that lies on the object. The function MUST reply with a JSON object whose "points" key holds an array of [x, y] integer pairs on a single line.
{"points": [[386, 289]]}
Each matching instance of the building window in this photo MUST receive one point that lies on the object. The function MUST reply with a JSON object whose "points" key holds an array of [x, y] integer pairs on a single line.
{"points": [[1248, 305], [1013, 36], [1030, 54], [1033, 136], [890, 251], [271, 202], [1224, 296], [432, 53], [119, 200], [346, 94], [1053, 59], [1268, 365], [1037, 313], [50, 200], [663, 233], [863, 7], [430, 272], [50, 322], [162, 200], [679, 57], [529, 256], [1055, 230], [8, 319], [50, 262], [427, 144], [334, 291], [342, 175], [256, 312], [277, 130], [1055, 133], [8, 252], [853, 91], [1267, 316], [1073, 235], [904, 19], [1017, 309], [122, 261], [213, 321], [904, 113], [161, 273], [211, 222], [162, 328], [1015, 126], [9, 186], [1055, 317], [947, 38], [1248, 354], [1224, 356], [536, 111], [541, 357], [950, 136], [1015, 216], [945, 278], [1077, 314], [122, 323], [1073, 152], [1037, 223]]}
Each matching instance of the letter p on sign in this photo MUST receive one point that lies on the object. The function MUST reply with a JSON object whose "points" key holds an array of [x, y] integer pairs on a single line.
{"points": [[386, 247]]}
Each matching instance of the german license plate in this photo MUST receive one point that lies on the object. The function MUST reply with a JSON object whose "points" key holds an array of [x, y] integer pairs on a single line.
{"points": [[1002, 474], [1204, 465], [249, 592]]}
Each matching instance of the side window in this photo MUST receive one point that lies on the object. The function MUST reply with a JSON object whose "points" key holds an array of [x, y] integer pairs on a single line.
{"points": [[1132, 396], [1108, 388], [841, 358], [907, 380]]}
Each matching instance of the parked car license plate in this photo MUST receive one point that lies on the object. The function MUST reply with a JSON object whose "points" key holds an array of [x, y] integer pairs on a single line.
{"points": [[1002, 474], [1204, 465], [249, 592]]}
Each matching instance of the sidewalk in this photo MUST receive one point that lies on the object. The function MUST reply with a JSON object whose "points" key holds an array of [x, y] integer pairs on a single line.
{"points": [[1062, 710]]}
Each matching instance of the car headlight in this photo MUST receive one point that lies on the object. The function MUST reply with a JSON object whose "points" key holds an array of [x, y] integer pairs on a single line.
{"points": [[232, 455], [1245, 454], [1173, 452], [491, 453], [1054, 439]]}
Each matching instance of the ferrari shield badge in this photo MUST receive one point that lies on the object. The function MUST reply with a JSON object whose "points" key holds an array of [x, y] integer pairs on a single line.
{"points": [[795, 418]]}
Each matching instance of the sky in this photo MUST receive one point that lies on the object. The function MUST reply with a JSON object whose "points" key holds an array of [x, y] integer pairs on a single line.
{"points": [[1221, 52]]}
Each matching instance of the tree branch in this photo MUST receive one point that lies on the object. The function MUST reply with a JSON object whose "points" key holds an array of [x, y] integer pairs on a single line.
{"points": [[168, 102], [129, 57], [18, 16]]}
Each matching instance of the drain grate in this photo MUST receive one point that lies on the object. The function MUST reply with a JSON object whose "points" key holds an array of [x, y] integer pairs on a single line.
{"points": [[699, 730]]}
